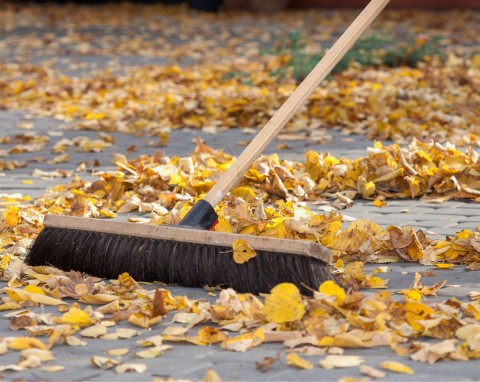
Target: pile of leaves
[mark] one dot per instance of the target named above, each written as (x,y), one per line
(437,101)
(271,201)
(320,326)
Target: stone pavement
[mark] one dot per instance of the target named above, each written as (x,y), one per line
(191,362)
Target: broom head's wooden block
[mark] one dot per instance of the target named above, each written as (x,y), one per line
(189,235)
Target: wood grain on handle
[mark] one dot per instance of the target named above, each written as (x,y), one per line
(294,102)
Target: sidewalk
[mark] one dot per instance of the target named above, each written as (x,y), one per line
(188,361)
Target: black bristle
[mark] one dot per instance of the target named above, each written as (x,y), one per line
(173,262)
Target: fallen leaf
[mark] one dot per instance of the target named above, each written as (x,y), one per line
(17,294)
(371,372)
(284,304)
(22,343)
(265,364)
(330,288)
(104,362)
(245,341)
(339,361)
(293,359)
(94,331)
(131,368)
(52,368)
(152,352)
(242,252)
(211,376)
(117,352)
(397,367)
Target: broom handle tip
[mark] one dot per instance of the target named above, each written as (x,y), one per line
(235,173)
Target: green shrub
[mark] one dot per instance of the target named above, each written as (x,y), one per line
(372,50)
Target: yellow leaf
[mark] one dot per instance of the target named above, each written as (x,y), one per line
(242,252)
(375,282)
(33,289)
(379,203)
(211,376)
(246,193)
(369,190)
(11,215)
(338,264)
(127,281)
(293,359)
(76,316)
(223,226)
(412,294)
(284,304)
(92,115)
(211,335)
(21,295)
(143,321)
(27,181)
(445,265)
(330,288)
(22,343)
(397,367)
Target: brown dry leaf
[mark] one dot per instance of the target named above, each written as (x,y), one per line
(339,361)
(371,372)
(20,322)
(104,362)
(293,359)
(266,363)
(158,307)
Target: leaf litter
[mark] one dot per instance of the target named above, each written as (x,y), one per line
(271,201)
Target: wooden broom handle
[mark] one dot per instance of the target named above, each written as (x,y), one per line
(294,102)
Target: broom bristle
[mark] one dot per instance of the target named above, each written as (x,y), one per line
(173,262)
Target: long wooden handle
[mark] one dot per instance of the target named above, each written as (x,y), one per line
(294,102)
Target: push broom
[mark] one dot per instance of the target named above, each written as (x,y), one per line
(189,254)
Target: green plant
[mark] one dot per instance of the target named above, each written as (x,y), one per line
(372,50)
